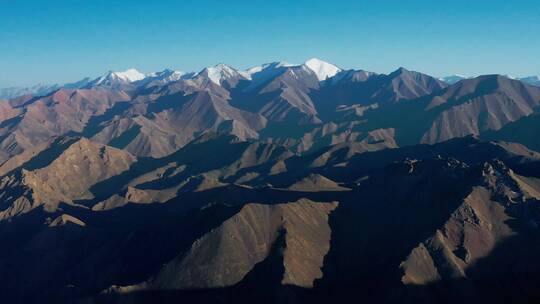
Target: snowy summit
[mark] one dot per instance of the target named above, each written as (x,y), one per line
(130,75)
(111,77)
(321,68)
(220,72)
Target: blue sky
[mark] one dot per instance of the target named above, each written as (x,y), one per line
(59,41)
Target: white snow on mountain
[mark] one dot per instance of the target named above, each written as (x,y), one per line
(268,66)
(127,76)
(262,73)
(166,75)
(321,68)
(221,72)
(161,78)
(130,75)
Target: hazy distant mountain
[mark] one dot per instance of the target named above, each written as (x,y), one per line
(283,183)
(453,78)
(534,80)
(39,89)
(78,84)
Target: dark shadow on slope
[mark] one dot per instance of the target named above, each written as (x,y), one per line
(169,102)
(46,157)
(523,131)
(389,216)
(372,231)
(467,149)
(11,121)
(509,274)
(492,280)
(261,285)
(125,138)
(237,195)
(126,246)
(94,125)
(410,127)
(369,239)
(201,156)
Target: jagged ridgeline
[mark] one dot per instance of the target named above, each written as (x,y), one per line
(279,184)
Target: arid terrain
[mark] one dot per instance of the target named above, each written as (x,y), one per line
(278,184)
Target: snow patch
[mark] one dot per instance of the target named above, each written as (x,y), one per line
(266,66)
(167,75)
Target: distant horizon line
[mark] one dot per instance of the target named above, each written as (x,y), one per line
(147,74)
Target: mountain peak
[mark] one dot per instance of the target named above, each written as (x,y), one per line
(130,75)
(112,77)
(315,60)
(220,72)
(322,69)
(400,70)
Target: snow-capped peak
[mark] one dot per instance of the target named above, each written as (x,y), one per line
(128,76)
(321,68)
(220,72)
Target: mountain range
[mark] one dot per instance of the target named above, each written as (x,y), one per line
(321,68)
(282,183)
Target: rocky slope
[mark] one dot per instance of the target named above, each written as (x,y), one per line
(278,102)
(259,222)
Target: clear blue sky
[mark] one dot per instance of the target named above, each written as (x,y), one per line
(58,41)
